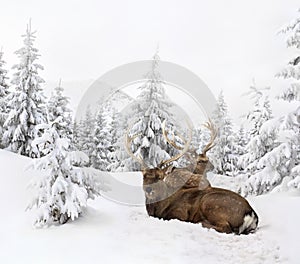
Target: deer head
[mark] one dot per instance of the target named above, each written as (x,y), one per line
(203,163)
(154,185)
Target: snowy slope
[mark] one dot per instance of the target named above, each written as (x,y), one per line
(112,233)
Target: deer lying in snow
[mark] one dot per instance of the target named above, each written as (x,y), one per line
(166,198)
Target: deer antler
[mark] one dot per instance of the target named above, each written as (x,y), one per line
(213,134)
(184,149)
(128,141)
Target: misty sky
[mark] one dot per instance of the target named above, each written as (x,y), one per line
(226,43)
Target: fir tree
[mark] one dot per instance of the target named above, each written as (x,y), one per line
(258,144)
(26,103)
(200,138)
(224,156)
(115,123)
(151,109)
(116,134)
(3,95)
(273,161)
(292,71)
(261,142)
(76,132)
(121,162)
(86,137)
(58,106)
(241,141)
(102,138)
(261,111)
(289,124)
(63,188)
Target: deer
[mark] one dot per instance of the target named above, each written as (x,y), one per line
(217,208)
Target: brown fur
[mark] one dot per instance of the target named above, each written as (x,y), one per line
(203,165)
(183,178)
(215,208)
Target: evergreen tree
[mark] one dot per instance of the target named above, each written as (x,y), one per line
(292,71)
(200,138)
(289,124)
(271,168)
(115,123)
(274,152)
(63,188)
(262,142)
(151,109)
(102,138)
(86,138)
(241,141)
(259,144)
(58,106)
(26,103)
(3,96)
(261,111)
(76,132)
(121,162)
(224,156)
(116,134)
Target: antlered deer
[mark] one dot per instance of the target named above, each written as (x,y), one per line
(217,208)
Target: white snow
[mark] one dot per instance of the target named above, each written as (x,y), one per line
(112,233)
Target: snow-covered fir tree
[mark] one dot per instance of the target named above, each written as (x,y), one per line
(118,157)
(200,138)
(151,109)
(27,102)
(116,134)
(63,186)
(292,71)
(121,161)
(224,153)
(261,111)
(86,137)
(258,145)
(76,132)
(102,138)
(3,95)
(58,105)
(262,141)
(289,125)
(241,140)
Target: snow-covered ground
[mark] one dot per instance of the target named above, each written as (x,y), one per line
(109,232)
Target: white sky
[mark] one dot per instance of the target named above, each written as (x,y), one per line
(226,43)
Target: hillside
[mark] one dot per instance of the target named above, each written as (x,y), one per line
(109,232)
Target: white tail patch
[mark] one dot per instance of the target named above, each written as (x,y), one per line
(249,224)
